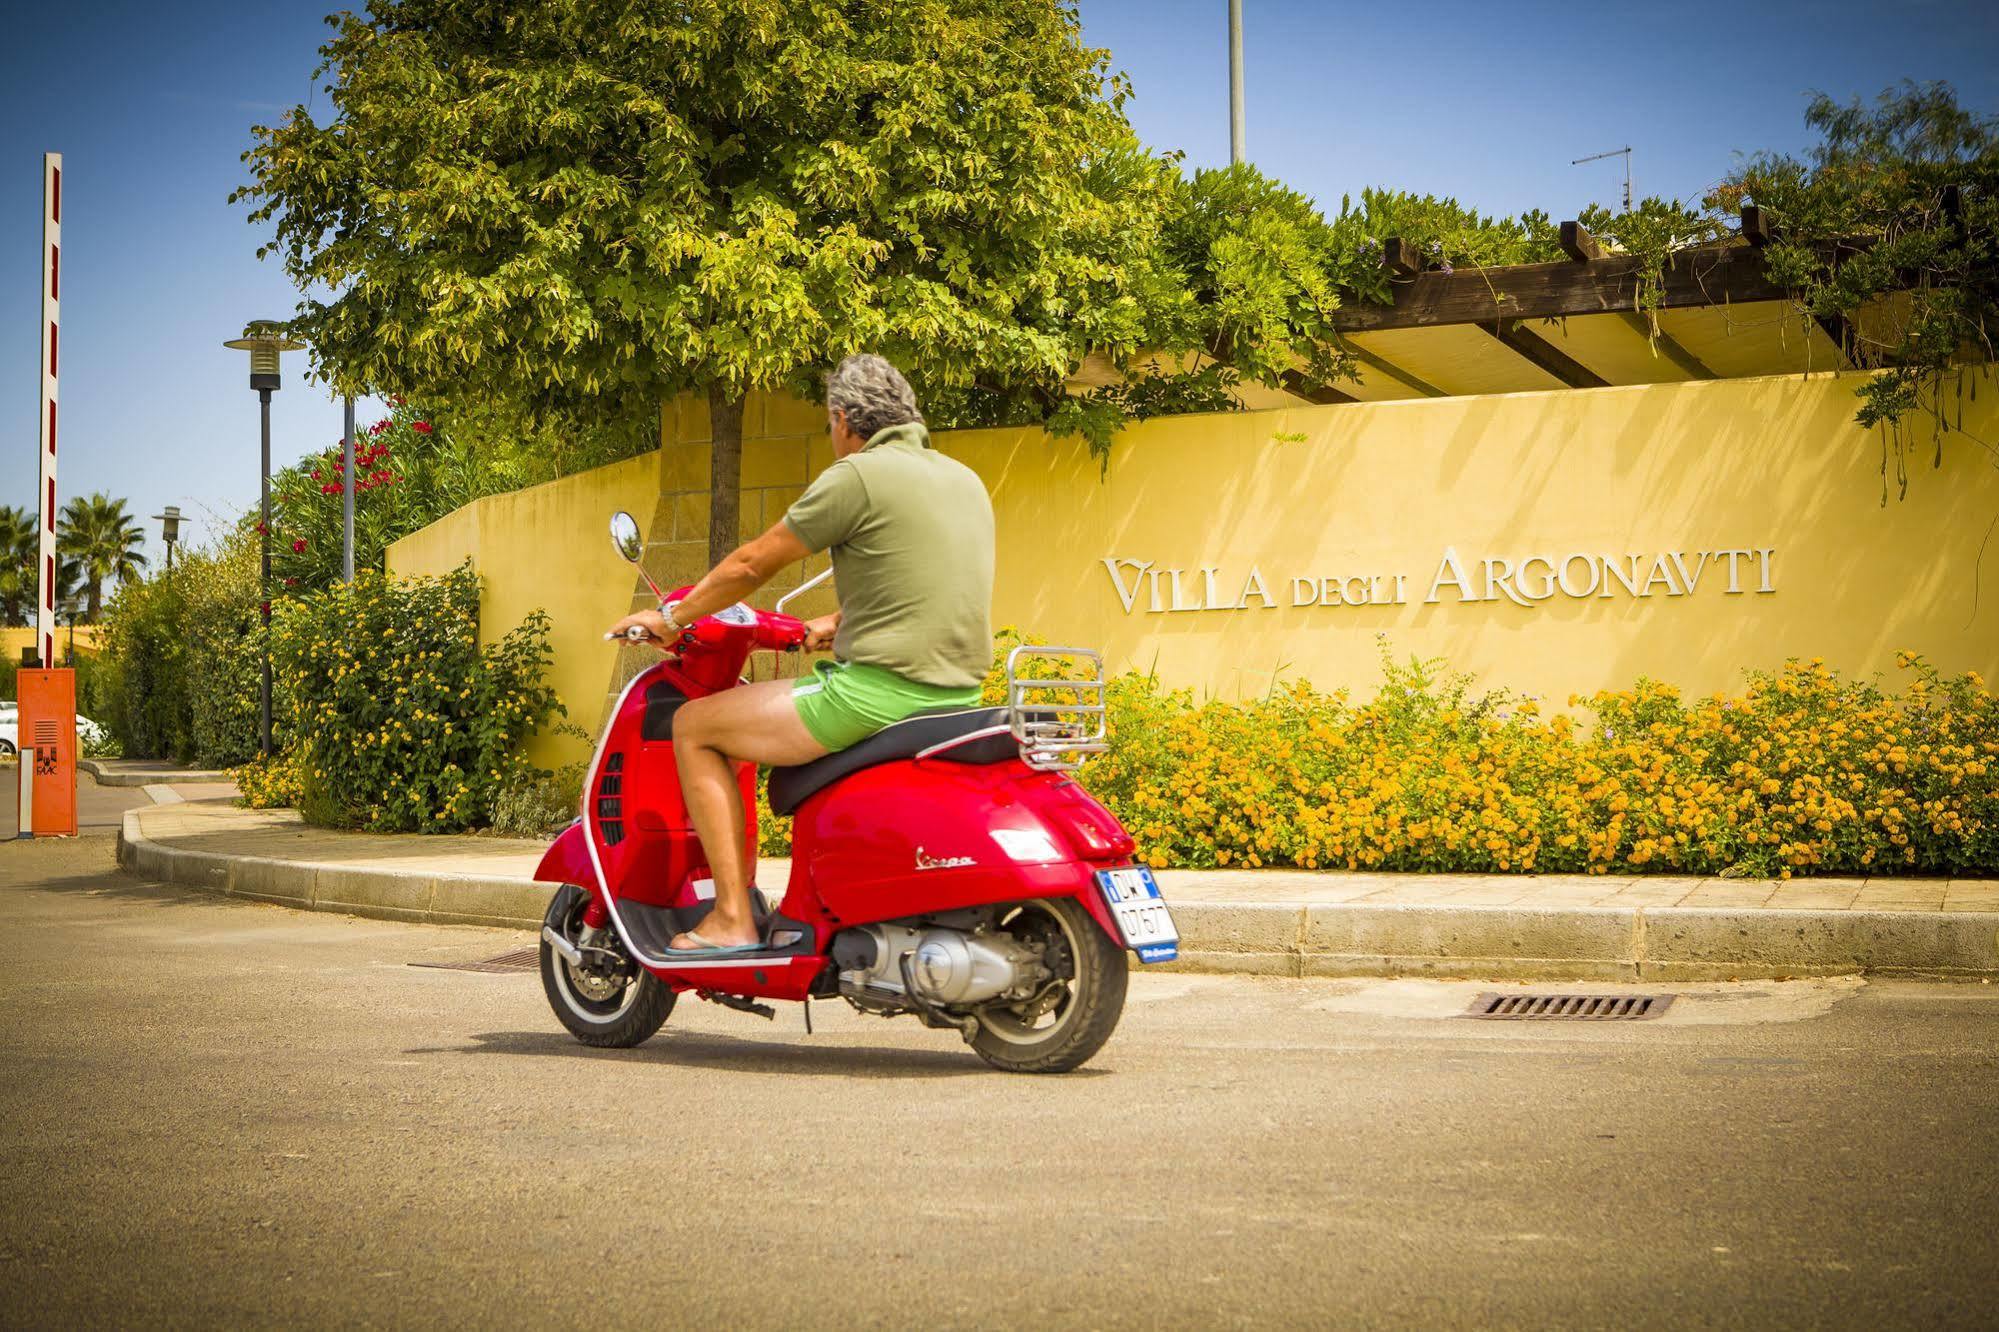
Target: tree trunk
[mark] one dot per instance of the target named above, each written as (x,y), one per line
(725,470)
(94,602)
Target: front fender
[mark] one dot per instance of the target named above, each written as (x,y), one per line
(568,860)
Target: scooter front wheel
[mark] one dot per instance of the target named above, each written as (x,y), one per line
(1070,1021)
(603,1006)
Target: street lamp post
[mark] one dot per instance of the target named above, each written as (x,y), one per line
(1238,137)
(169,520)
(264,339)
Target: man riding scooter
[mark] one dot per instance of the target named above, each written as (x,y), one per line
(911,536)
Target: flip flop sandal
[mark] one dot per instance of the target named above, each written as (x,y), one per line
(708,949)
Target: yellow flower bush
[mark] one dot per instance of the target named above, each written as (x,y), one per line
(269,783)
(1803,771)
(393,716)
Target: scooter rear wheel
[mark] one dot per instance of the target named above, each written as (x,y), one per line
(1083,1017)
(593,1007)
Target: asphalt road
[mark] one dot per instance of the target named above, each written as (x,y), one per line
(216,1112)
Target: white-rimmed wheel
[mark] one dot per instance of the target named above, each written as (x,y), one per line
(1075,1011)
(607,1001)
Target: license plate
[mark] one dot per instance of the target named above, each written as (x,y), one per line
(1133,897)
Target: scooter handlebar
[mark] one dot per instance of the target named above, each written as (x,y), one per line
(771,630)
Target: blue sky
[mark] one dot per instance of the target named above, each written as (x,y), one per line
(151,105)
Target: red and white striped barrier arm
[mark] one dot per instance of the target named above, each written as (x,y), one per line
(45,615)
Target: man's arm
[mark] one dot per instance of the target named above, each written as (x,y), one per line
(740,573)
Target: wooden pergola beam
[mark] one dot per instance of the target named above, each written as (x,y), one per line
(1401,257)
(1709,275)
(1294,384)
(1670,347)
(1526,342)
(1389,370)
(1578,244)
(1757,228)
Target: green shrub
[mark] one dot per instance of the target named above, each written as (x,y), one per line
(179,670)
(398,720)
(538,804)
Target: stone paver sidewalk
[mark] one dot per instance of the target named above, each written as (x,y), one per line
(1279,922)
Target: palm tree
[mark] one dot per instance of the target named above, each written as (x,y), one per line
(19,549)
(100,541)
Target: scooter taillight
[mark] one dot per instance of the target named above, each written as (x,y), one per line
(1090,828)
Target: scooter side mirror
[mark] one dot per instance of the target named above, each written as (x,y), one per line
(625,536)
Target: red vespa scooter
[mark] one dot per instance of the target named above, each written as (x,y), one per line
(947,867)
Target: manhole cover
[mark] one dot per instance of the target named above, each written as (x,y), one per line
(1570,1007)
(521,959)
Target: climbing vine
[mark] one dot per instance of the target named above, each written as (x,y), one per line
(1888,231)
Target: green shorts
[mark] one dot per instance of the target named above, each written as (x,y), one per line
(843,703)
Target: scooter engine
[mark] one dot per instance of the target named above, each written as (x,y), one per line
(949,966)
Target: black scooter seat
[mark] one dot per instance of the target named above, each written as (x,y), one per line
(792,787)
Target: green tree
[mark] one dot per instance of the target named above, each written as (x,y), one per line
(1889,228)
(571,202)
(20,547)
(99,542)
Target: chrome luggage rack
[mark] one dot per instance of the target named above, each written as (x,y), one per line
(1057,720)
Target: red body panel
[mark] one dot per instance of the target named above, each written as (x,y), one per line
(895,840)
(567,860)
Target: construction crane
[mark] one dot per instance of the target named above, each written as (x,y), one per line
(1625,152)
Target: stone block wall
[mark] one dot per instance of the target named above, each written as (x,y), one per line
(784,446)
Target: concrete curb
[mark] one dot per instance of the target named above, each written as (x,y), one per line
(108,777)
(1264,939)
(412,896)
(1582,943)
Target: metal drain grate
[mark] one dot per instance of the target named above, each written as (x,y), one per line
(1570,1007)
(521,959)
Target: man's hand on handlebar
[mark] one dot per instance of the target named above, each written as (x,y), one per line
(654,625)
(819,632)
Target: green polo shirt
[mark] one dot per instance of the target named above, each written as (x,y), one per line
(911,532)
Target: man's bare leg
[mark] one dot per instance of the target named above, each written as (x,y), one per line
(751,723)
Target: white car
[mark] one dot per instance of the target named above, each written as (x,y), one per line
(88,732)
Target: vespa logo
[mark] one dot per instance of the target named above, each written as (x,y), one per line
(925,861)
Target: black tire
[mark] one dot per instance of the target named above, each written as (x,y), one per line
(1085,1019)
(618,1021)
(6,749)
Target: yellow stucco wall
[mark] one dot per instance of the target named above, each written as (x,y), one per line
(547,547)
(1637,475)
(16,637)
(1384,489)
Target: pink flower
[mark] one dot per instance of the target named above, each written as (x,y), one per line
(421,427)
(378,427)
(315,474)
(298,546)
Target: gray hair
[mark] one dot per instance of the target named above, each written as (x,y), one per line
(872,393)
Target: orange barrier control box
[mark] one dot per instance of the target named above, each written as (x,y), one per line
(48,723)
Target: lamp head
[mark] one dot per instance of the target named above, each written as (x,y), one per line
(169,523)
(264,339)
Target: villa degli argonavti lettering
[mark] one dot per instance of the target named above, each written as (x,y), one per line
(1148,587)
